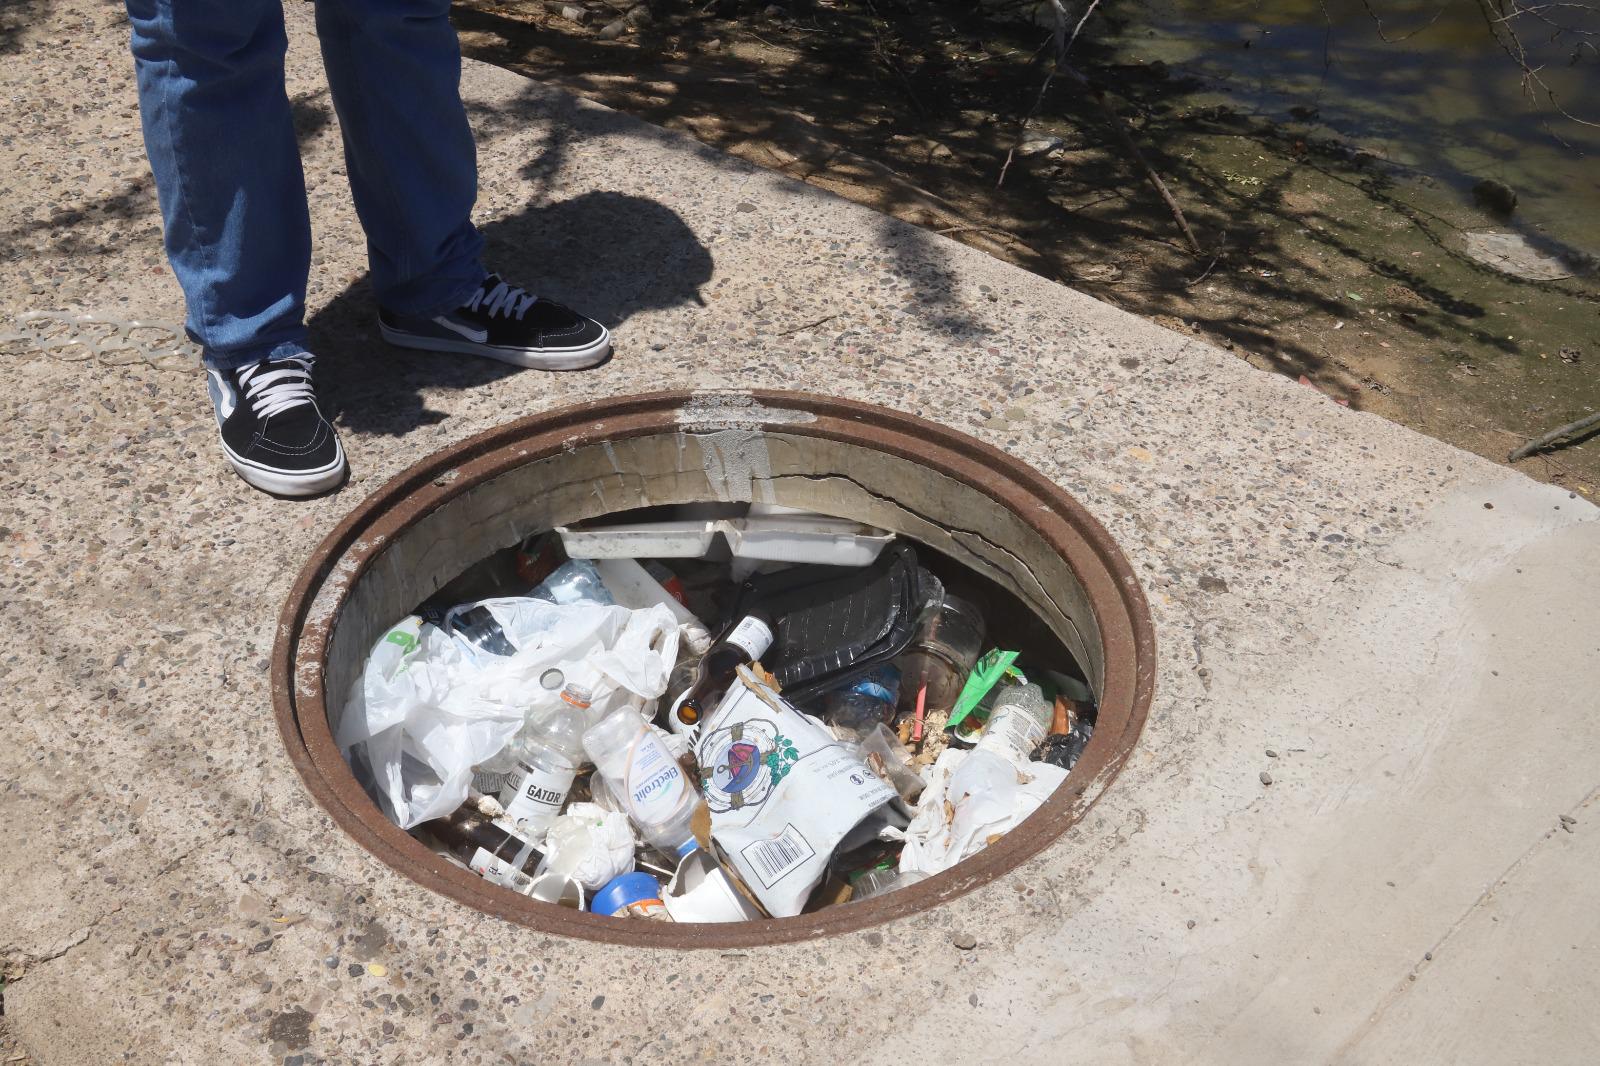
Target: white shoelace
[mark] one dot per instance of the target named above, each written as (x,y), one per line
(503,299)
(277,386)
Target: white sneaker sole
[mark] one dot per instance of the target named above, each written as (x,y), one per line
(280,483)
(541,359)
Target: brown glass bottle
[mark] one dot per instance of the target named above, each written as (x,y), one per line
(485,847)
(744,644)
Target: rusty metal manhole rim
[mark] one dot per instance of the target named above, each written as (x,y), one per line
(1111,587)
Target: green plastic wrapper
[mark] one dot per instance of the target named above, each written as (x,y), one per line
(995,667)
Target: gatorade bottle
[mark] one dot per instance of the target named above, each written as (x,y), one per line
(548,756)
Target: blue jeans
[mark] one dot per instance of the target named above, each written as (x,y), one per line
(221,141)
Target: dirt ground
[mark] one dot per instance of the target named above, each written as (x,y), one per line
(1319,259)
(11,1053)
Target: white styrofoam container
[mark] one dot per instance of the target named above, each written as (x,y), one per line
(797,539)
(779,538)
(646,540)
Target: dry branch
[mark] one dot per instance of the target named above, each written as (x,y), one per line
(1586,422)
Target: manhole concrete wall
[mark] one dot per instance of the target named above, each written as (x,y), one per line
(969,501)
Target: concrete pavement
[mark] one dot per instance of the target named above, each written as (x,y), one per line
(1410,630)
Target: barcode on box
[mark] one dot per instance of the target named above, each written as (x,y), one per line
(772,859)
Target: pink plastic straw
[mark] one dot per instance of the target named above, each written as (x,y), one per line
(922,712)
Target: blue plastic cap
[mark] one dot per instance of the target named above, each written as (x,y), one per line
(623,890)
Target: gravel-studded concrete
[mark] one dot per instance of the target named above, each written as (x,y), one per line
(1410,630)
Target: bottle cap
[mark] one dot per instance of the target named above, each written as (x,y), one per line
(625,889)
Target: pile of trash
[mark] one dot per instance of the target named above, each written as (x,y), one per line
(721,713)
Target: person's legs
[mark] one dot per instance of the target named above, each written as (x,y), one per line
(221,143)
(395,69)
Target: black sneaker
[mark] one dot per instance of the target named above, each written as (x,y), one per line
(509,324)
(271,429)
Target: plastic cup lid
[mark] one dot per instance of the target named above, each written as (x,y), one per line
(623,890)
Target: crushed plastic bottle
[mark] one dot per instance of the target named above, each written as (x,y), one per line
(1019,721)
(473,623)
(865,702)
(576,581)
(881,880)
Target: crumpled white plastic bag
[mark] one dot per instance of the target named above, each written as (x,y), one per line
(428,707)
(987,796)
(589,845)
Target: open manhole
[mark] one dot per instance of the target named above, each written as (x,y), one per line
(984,516)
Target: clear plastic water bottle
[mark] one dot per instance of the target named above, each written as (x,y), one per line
(548,754)
(865,702)
(877,882)
(574,582)
(1020,719)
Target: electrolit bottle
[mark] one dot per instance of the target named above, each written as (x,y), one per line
(657,796)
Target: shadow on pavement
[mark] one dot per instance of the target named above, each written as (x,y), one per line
(572,251)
